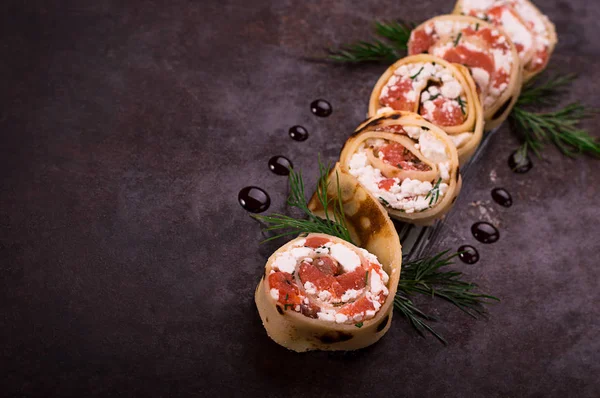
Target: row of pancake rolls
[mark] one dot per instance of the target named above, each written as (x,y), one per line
(427,115)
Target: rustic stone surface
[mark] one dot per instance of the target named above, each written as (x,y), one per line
(128,267)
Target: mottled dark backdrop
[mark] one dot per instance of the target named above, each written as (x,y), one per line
(128,267)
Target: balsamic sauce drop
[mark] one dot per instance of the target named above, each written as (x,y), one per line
(280,165)
(254,199)
(468,254)
(502,197)
(485,232)
(321,108)
(298,133)
(518,163)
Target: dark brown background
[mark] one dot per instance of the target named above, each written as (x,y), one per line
(128,267)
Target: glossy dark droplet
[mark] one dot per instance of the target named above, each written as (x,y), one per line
(485,232)
(298,133)
(519,163)
(254,199)
(502,197)
(321,108)
(468,254)
(280,165)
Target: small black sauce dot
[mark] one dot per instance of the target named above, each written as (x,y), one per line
(502,197)
(280,165)
(468,254)
(321,108)
(485,232)
(254,199)
(298,133)
(518,163)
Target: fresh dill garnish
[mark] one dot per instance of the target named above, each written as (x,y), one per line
(457,39)
(286,297)
(462,105)
(385,202)
(417,74)
(423,276)
(415,316)
(399,166)
(546,93)
(431,98)
(559,127)
(285,306)
(397,35)
(364,52)
(334,222)
(434,192)
(476,26)
(396,32)
(359,325)
(367,277)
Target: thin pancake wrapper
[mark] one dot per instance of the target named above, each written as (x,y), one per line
(407,163)
(305,329)
(485,50)
(443,93)
(531,31)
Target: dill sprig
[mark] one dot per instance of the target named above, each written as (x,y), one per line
(462,105)
(423,276)
(544,93)
(397,35)
(334,222)
(457,39)
(434,193)
(397,32)
(559,127)
(364,52)
(418,73)
(415,316)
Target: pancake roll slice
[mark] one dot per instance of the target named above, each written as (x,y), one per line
(531,31)
(320,292)
(442,93)
(484,49)
(406,163)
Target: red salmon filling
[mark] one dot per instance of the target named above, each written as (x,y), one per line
(522,22)
(403,170)
(395,154)
(428,89)
(332,281)
(484,51)
(397,96)
(539,61)
(445,112)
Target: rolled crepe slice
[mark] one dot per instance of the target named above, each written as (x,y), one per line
(320,292)
(443,93)
(531,31)
(407,163)
(485,49)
